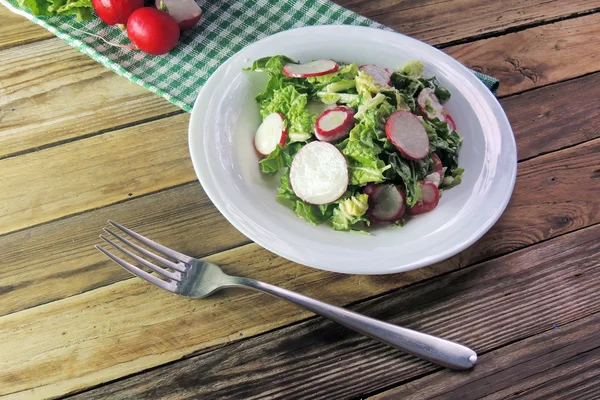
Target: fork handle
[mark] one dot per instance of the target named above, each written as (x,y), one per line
(427,347)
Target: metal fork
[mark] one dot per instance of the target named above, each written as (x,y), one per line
(190,277)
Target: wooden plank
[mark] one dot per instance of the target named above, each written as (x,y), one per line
(535,57)
(485,307)
(437,22)
(119,329)
(93,172)
(116,317)
(183,218)
(440,22)
(176,218)
(16,30)
(94,99)
(50,93)
(554,117)
(54,165)
(560,363)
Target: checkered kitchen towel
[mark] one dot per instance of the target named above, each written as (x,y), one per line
(225,28)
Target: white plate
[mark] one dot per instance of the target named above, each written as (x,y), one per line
(225,118)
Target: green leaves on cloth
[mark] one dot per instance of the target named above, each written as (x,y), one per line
(81,8)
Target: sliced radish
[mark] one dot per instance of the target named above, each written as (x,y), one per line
(430,106)
(408,134)
(437,173)
(319,173)
(434,178)
(386,204)
(334,124)
(381,75)
(450,121)
(430,197)
(437,164)
(186,13)
(270,134)
(372,189)
(315,68)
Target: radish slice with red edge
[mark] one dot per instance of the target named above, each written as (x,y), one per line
(372,189)
(430,106)
(381,75)
(437,164)
(334,124)
(450,121)
(270,134)
(186,13)
(408,134)
(387,203)
(319,173)
(430,197)
(437,173)
(315,68)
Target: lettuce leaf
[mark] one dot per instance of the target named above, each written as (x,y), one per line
(364,145)
(81,8)
(440,91)
(444,141)
(414,69)
(351,100)
(273,65)
(350,212)
(411,174)
(279,158)
(316,215)
(292,105)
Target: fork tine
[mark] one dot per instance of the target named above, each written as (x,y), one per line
(152,244)
(155,268)
(147,253)
(141,273)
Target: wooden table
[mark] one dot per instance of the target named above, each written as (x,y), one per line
(80,145)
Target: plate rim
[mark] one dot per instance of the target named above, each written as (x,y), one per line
(203,175)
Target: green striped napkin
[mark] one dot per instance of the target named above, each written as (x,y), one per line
(226,27)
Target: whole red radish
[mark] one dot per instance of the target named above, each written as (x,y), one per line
(114,12)
(186,13)
(152,31)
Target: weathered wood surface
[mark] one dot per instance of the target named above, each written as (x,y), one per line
(58,74)
(486,307)
(436,22)
(69,319)
(535,57)
(116,316)
(560,363)
(16,30)
(183,217)
(440,22)
(94,172)
(51,93)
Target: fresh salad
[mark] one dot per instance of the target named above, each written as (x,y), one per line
(356,146)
